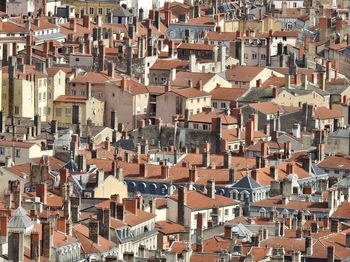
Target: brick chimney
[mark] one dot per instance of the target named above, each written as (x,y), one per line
(182,201)
(73,24)
(211,189)
(227,159)
(199,232)
(120,212)
(274,173)
(130,204)
(144,170)
(41,191)
(193,174)
(61,224)
(165,171)
(46,239)
(228,231)
(34,245)
(3,228)
(249,132)
(290,168)
(86,22)
(330,254)
(94,231)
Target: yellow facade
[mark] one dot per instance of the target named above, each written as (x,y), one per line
(93,8)
(111,186)
(89,109)
(287,99)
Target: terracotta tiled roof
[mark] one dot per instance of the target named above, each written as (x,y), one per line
(197,200)
(178,247)
(243,73)
(208,257)
(8,143)
(220,36)
(168,227)
(93,78)
(81,232)
(206,117)
(71,99)
(130,218)
(325,113)
(11,28)
(196,46)
(272,108)
(285,33)
(335,162)
(190,92)
(292,204)
(200,21)
(182,78)
(271,144)
(343,211)
(227,94)
(162,64)
(263,174)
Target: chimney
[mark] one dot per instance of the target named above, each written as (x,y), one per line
(308,246)
(322,81)
(206,156)
(73,25)
(249,132)
(29,42)
(199,232)
(347,240)
(165,171)
(34,245)
(120,213)
(334,226)
(111,69)
(41,191)
(227,159)
(46,239)
(61,224)
(88,90)
(37,124)
(320,152)
(274,173)
(100,177)
(182,201)
(144,170)
(86,22)
(211,189)
(107,144)
(330,254)
(287,149)
(130,204)
(3,229)
(168,17)
(81,163)
(232,175)
(228,231)
(290,168)
(101,55)
(94,231)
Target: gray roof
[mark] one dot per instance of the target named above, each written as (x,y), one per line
(121,12)
(336,89)
(241,230)
(256,94)
(247,182)
(20,219)
(340,133)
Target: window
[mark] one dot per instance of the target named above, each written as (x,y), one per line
(191,101)
(205,127)
(82,93)
(18,152)
(145,109)
(254,56)
(245,56)
(39,96)
(91,10)
(294,4)
(195,126)
(48,110)
(198,99)
(223,105)
(215,104)
(198,110)
(263,57)
(2,151)
(44,96)
(284,38)
(16,110)
(226,212)
(58,111)
(99,10)
(108,10)
(77,59)
(138,109)
(68,111)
